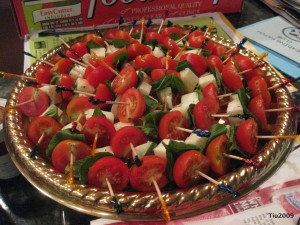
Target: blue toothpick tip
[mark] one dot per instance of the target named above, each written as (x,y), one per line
(229,189)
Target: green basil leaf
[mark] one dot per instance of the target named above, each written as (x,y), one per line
(152,42)
(163,48)
(215,131)
(151,104)
(220,84)
(52,112)
(138,36)
(233,147)
(175,36)
(199,93)
(92,44)
(184,64)
(150,126)
(191,115)
(177,147)
(60,136)
(120,43)
(54,78)
(169,166)
(205,53)
(165,81)
(120,59)
(98,112)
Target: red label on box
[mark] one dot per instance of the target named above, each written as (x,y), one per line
(35,15)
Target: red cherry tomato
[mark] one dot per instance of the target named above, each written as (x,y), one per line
(202,114)
(211,91)
(148,61)
(99,75)
(93,37)
(257,107)
(258,85)
(196,33)
(169,122)
(110,58)
(120,34)
(110,168)
(196,41)
(78,105)
(215,62)
(198,62)
(128,78)
(154,35)
(134,109)
(89,69)
(68,82)
(43,74)
(39,104)
(215,153)
(172,63)
(172,46)
(110,34)
(103,93)
(120,141)
(186,165)
(62,152)
(138,49)
(42,125)
(62,66)
(152,167)
(167,31)
(158,73)
(231,78)
(79,48)
(101,126)
(244,63)
(219,50)
(246,136)
(138,28)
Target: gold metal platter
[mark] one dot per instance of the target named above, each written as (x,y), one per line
(146,206)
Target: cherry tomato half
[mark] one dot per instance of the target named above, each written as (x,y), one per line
(186,165)
(78,105)
(43,74)
(62,153)
(39,104)
(214,152)
(198,62)
(244,63)
(42,125)
(110,168)
(258,85)
(169,122)
(138,49)
(93,37)
(158,73)
(257,107)
(120,141)
(62,66)
(231,77)
(152,167)
(148,61)
(66,81)
(103,93)
(134,108)
(101,126)
(246,136)
(215,62)
(128,78)
(202,114)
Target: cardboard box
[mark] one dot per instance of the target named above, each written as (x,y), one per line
(70,15)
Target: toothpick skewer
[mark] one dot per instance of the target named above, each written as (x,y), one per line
(95,144)
(142,29)
(74,60)
(110,68)
(162,22)
(132,26)
(181,51)
(198,132)
(5,74)
(116,203)
(35,148)
(221,185)
(252,162)
(136,159)
(16,106)
(43,61)
(71,172)
(162,201)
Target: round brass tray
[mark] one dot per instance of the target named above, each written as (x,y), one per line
(146,206)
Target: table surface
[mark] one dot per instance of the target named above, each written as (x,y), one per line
(26,205)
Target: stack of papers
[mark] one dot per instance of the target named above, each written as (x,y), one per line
(280,39)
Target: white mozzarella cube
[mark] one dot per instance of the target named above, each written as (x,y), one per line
(89,113)
(144,88)
(109,116)
(110,49)
(50,90)
(77,71)
(189,79)
(84,86)
(104,149)
(142,149)
(99,52)
(181,108)
(52,107)
(206,79)
(234,97)
(86,57)
(190,98)
(193,51)
(120,124)
(157,52)
(114,107)
(160,149)
(194,139)
(165,97)
(235,107)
